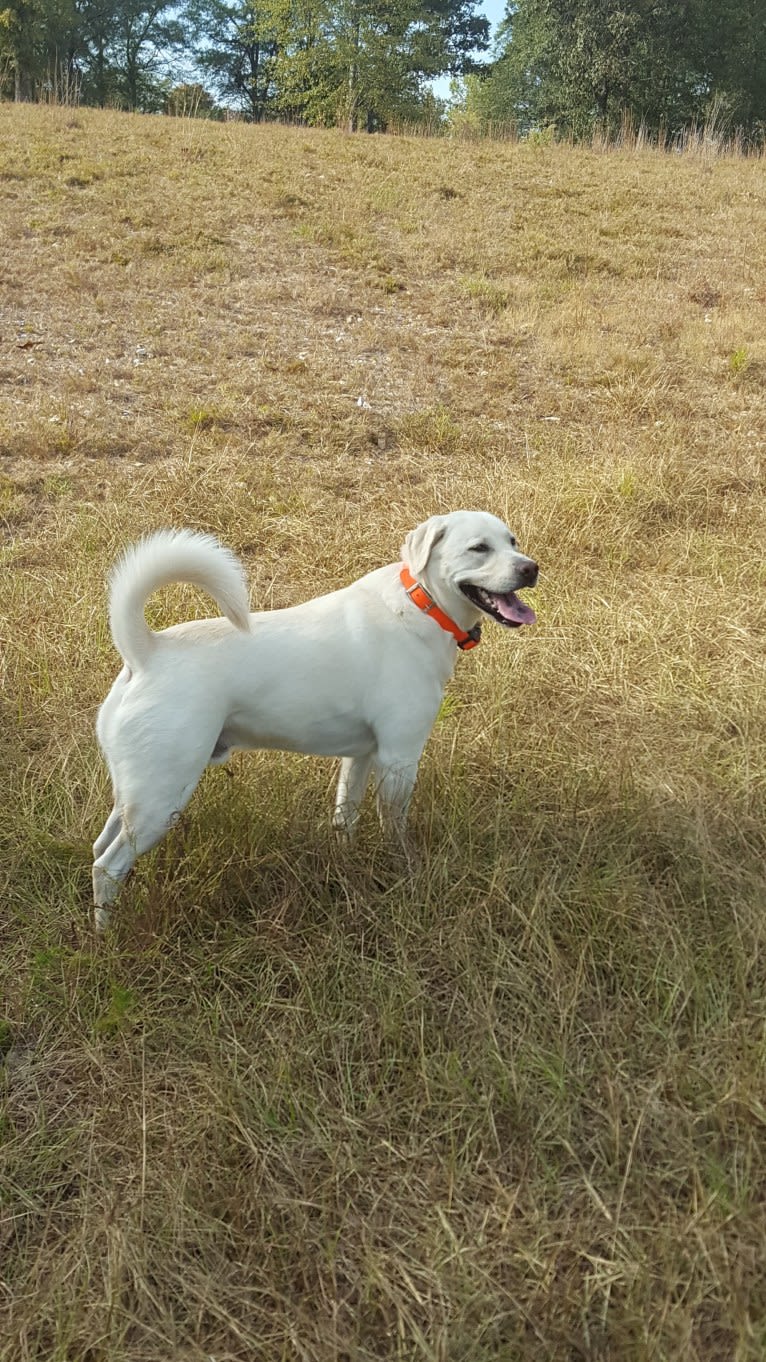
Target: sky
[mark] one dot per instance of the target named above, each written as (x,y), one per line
(494,10)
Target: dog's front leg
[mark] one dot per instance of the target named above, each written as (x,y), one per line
(354,775)
(395,782)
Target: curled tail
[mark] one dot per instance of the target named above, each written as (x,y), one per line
(171,556)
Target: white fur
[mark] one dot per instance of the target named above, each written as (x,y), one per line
(358,674)
(171,556)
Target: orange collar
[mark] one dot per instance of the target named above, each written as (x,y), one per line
(420,597)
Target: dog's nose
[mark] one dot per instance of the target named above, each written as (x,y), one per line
(528,573)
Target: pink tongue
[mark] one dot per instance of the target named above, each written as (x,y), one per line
(511,608)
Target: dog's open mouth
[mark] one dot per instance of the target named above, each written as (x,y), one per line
(507,609)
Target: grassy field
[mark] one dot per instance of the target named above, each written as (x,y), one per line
(300,1106)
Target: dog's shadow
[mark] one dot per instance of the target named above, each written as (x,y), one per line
(277,872)
(229,865)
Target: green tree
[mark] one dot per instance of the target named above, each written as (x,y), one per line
(238,42)
(384,55)
(101,51)
(98,45)
(734,60)
(336,62)
(189,100)
(581,63)
(38,49)
(144,38)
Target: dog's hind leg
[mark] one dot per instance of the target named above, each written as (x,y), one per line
(354,775)
(141,826)
(110,870)
(110,830)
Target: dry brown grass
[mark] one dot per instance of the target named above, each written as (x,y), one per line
(300,1107)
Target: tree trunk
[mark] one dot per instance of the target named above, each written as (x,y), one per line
(353,79)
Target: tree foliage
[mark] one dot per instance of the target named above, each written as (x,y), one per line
(340,62)
(573,64)
(321,61)
(238,42)
(37,38)
(98,51)
(660,63)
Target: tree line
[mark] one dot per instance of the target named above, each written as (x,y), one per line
(564,65)
(663,65)
(314,61)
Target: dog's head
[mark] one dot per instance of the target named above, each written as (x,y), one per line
(470,563)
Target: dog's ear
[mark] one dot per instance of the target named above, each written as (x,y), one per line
(420,543)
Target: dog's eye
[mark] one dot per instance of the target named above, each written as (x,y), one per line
(480,548)
(514,541)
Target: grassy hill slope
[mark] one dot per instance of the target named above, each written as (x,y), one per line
(302,1105)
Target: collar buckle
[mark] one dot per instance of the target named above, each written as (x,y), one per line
(471,640)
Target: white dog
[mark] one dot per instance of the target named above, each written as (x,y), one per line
(358,674)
